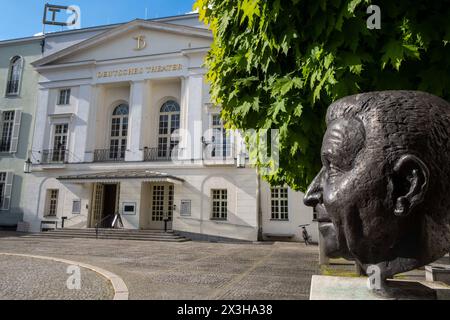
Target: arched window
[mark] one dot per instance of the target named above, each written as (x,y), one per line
(169,122)
(15,75)
(119,133)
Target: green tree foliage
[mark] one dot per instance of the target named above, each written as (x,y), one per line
(280,63)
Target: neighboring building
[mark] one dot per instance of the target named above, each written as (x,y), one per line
(18,88)
(109,100)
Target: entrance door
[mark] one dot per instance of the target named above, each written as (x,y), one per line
(105,204)
(97,204)
(161,206)
(109,205)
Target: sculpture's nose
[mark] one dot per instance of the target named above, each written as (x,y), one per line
(314,194)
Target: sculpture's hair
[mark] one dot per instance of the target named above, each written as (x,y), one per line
(400,122)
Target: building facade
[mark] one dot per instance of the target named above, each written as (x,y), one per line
(18,87)
(124,124)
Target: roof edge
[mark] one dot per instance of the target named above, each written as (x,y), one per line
(21,40)
(94,28)
(119,29)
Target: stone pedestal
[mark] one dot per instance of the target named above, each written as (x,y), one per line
(343,288)
(438,272)
(323,259)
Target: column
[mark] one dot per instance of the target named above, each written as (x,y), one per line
(193,114)
(81,126)
(92,130)
(137,100)
(183,118)
(41,128)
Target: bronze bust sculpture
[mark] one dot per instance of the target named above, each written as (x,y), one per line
(385,181)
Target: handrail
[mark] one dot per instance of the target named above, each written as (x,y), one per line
(117,218)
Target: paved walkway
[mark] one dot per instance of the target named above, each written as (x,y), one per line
(191,270)
(24,278)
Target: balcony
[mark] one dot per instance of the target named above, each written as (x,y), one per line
(109,155)
(58,156)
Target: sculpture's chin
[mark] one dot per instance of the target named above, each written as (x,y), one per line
(388,269)
(331,244)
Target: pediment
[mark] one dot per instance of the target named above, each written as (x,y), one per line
(134,39)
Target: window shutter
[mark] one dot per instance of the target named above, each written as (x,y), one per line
(15,131)
(1,124)
(8,190)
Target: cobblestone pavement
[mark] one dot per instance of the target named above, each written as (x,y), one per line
(24,278)
(191,270)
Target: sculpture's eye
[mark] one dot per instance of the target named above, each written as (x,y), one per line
(333,171)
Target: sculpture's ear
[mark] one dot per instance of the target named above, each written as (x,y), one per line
(410,183)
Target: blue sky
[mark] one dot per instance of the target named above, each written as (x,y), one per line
(23,18)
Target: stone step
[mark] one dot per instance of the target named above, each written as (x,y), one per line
(103,237)
(116,230)
(162,235)
(115,234)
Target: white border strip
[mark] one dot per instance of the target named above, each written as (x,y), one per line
(119,286)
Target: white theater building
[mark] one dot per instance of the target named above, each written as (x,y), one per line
(124,124)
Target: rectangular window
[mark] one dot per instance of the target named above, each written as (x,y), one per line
(7,122)
(219,204)
(52,203)
(64,97)
(2,188)
(280,204)
(76,207)
(59,152)
(221,147)
(6,182)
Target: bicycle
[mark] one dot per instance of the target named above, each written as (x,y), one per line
(306,237)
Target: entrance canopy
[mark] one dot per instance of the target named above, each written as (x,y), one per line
(118,176)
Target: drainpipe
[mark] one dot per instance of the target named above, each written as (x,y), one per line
(258,207)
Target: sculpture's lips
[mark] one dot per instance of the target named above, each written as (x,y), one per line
(322,214)
(334,248)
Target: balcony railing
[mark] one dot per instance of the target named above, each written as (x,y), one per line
(216,153)
(109,155)
(58,156)
(157,154)
(12,88)
(219,152)
(222,152)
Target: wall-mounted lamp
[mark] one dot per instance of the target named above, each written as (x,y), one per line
(27,166)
